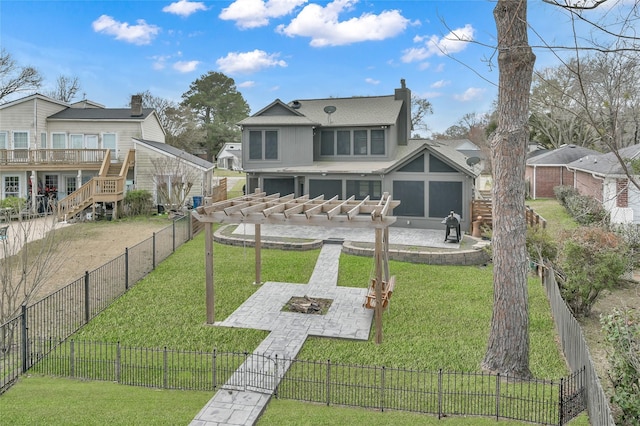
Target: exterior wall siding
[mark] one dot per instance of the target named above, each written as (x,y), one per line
(586,184)
(293,150)
(152,130)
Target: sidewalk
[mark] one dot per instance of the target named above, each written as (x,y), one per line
(21,232)
(244,397)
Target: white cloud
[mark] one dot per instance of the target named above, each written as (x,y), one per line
(141,33)
(256,13)
(440,84)
(471,94)
(456,41)
(371,81)
(323,26)
(185,66)
(248,83)
(249,62)
(184,7)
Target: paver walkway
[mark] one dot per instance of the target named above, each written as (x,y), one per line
(243,398)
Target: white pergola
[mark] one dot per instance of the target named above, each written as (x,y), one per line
(259,208)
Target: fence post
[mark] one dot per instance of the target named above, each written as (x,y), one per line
(126,268)
(276,383)
(165,367)
(153,249)
(173,232)
(497,396)
(86,297)
(328,382)
(440,394)
(118,363)
(190,226)
(214,374)
(382,389)
(25,338)
(72,365)
(561,403)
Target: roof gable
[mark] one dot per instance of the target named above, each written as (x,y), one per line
(33,97)
(178,153)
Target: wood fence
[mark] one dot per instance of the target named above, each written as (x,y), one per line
(484,208)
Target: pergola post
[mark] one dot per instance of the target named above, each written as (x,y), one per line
(258,251)
(378,267)
(209,293)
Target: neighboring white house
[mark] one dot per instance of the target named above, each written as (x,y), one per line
(230,156)
(358,146)
(603,177)
(81,154)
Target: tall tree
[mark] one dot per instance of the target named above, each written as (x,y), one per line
(508,346)
(15,79)
(219,106)
(420,108)
(66,88)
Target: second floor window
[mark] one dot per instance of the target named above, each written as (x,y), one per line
(58,140)
(263,145)
(352,142)
(4,140)
(20,140)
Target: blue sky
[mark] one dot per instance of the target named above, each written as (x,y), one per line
(286,49)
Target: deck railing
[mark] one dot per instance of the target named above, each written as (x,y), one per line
(51,156)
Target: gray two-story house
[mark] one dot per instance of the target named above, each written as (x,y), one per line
(358,146)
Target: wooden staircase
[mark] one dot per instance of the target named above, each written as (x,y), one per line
(107,187)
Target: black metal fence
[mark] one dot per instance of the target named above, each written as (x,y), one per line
(27,338)
(441,393)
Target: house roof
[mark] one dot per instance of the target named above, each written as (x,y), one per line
(172,150)
(404,154)
(355,111)
(561,156)
(33,96)
(108,114)
(606,164)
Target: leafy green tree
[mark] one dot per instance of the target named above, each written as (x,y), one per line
(218,106)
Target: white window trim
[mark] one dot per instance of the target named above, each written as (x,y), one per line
(114,151)
(71,136)
(13,138)
(2,182)
(65,139)
(7,141)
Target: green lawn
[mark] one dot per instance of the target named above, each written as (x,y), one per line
(556,216)
(438,318)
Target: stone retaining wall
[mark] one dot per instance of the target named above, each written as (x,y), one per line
(474,256)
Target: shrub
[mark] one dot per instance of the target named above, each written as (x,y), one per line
(562,192)
(591,260)
(138,202)
(586,210)
(622,332)
(14,203)
(541,245)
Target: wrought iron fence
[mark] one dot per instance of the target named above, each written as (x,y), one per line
(441,393)
(27,338)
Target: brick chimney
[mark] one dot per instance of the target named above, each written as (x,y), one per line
(404,121)
(136,106)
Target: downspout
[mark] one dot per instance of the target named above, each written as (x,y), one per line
(535,176)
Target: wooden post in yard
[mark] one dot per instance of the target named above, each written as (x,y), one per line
(258,250)
(378,307)
(209,293)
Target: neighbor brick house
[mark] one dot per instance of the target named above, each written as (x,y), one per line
(546,171)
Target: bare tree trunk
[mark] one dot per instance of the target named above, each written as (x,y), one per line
(508,347)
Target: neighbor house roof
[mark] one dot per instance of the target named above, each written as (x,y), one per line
(561,156)
(109,114)
(606,164)
(355,111)
(30,97)
(172,150)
